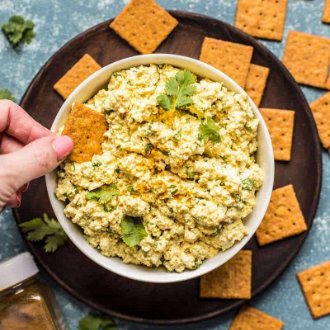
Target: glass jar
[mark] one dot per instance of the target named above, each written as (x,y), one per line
(25,302)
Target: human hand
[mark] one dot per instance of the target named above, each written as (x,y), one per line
(27,151)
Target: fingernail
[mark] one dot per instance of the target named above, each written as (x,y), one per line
(25,187)
(62,146)
(19,199)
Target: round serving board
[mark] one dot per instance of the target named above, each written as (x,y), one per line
(178,302)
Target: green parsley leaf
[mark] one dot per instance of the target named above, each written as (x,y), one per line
(190,173)
(103,194)
(18,30)
(6,94)
(96,322)
(209,130)
(133,230)
(247,184)
(178,91)
(108,112)
(37,229)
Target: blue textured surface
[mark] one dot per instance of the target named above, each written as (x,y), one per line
(57,21)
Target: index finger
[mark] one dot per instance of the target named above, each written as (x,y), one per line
(17,123)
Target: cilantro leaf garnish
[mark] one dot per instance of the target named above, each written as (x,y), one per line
(173,189)
(37,229)
(147,148)
(18,30)
(178,91)
(131,190)
(96,164)
(177,136)
(96,322)
(6,94)
(103,194)
(209,130)
(165,101)
(247,184)
(190,173)
(133,230)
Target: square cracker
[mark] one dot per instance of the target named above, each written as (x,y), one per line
(232,280)
(321,112)
(327,85)
(249,318)
(283,217)
(85,67)
(256,82)
(261,18)
(315,283)
(86,127)
(326,12)
(307,58)
(231,58)
(144,25)
(280,124)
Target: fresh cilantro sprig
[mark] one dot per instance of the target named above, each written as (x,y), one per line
(37,229)
(103,194)
(97,322)
(178,91)
(209,130)
(6,94)
(17,30)
(133,230)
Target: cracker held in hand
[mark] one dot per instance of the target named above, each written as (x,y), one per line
(307,58)
(280,124)
(231,58)
(144,25)
(315,283)
(85,67)
(283,217)
(261,18)
(86,127)
(327,85)
(326,12)
(256,82)
(321,112)
(231,280)
(249,318)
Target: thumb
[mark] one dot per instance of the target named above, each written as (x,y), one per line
(34,160)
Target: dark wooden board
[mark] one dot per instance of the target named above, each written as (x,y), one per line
(178,302)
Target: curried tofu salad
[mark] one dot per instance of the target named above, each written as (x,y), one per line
(176,173)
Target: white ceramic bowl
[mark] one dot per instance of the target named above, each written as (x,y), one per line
(265,159)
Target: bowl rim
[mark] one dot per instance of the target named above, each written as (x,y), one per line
(152,275)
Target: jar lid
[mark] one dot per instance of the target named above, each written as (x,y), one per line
(16,270)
